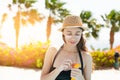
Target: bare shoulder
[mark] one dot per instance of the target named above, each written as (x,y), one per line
(87,55)
(49,55)
(48,59)
(87,59)
(51,50)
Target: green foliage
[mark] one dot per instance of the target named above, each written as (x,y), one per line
(57,9)
(14,1)
(29,56)
(104,59)
(85,15)
(23,1)
(112,20)
(91,23)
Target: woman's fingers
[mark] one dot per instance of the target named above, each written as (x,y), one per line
(67,64)
(75,72)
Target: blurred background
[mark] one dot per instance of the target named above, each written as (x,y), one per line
(29,27)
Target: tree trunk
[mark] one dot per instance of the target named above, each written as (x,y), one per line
(17,27)
(17,38)
(48,29)
(111,38)
(17,30)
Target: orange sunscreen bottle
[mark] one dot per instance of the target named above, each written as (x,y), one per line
(76,65)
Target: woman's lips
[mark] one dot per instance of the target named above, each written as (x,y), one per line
(72,42)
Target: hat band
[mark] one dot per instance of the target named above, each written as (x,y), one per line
(61,29)
(72,26)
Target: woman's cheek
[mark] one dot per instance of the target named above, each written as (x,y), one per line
(68,37)
(75,38)
(78,38)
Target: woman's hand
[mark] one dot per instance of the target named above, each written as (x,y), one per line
(76,74)
(66,65)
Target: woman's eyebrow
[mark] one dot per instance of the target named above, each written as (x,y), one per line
(68,31)
(78,32)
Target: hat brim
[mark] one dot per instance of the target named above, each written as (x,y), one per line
(61,29)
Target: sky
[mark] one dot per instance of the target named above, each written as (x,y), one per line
(97,7)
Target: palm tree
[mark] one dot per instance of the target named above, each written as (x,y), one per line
(113,22)
(24,16)
(56,14)
(91,23)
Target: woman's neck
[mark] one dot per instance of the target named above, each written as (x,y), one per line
(71,49)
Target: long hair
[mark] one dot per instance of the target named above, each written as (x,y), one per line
(81,44)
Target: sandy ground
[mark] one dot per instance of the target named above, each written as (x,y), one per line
(13,73)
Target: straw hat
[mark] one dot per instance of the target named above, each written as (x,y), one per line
(72,21)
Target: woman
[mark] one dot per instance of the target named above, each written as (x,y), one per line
(58,64)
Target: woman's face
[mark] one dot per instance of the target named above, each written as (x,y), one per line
(72,35)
